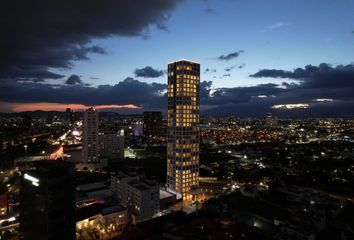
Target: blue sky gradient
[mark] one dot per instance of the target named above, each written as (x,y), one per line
(280,34)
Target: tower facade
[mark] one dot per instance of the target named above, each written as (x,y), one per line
(183,128)
(90,146)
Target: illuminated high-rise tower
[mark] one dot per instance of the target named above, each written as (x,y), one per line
(183,128)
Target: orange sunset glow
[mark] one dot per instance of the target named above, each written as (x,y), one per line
(22,107)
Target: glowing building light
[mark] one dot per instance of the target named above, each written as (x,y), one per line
(324,100)
(75,133)
(35,181)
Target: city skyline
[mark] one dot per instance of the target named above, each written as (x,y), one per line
(288,58)
(221,177)
(177,119)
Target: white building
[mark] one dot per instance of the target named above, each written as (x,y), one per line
(90,144)
(90,137)
(118,184)
(142,198)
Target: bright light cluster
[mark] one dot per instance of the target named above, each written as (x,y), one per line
(291,106)
(324,100)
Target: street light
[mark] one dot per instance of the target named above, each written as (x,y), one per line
(43,153)
(25,146)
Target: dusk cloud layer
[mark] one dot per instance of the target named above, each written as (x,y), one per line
(225,101)
(322,76)
(128,91)
(311,84)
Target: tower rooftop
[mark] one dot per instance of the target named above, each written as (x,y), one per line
(181,60)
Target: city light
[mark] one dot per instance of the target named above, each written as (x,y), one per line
(75,133)
(324,100)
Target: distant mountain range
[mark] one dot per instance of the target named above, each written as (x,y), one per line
(217,112)
(40,113)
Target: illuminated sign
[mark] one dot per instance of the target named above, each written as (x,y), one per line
(35,181)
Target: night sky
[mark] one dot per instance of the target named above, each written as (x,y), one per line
(287,57)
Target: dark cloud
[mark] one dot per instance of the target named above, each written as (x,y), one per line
(258,100)
(128,91)
(28,73)
(272,73)
(38,37)
(228,69)
(148,72)
(225,96)
(210,70)
(335,83)
(257,108)
(162,26)
(290,85)
(96,49)
(73,80)
(210,11)
(240,101)
(205,88)
(321,76)
(241,66)
(230,56)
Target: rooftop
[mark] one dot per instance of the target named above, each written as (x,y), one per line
(181,60)
(165,194)
(112,209)
(91,186)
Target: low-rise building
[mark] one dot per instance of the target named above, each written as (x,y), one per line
(103,222)
(141,197)
(118,184)
(290,231)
